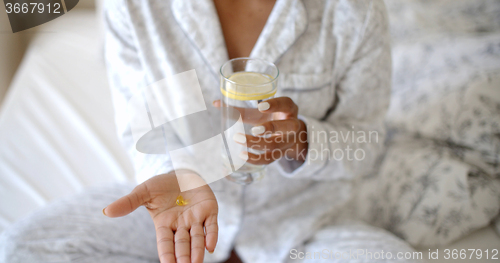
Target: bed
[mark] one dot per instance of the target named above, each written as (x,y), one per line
(57,132)
(56,123)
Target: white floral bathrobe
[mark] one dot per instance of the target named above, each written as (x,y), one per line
(334,61)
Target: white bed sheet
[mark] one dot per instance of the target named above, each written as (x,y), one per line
(57,132)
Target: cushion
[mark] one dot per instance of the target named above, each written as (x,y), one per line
(427,195)
(440,178)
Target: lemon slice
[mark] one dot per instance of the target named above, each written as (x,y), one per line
(249,86)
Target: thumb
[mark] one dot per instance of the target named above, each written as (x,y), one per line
(127,204)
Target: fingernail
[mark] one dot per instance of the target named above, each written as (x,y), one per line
(243,155)
(210,252)
(240,138)
(257,130)
(104,213)
(263,106)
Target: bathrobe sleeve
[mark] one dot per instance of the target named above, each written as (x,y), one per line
(128,81)
(347,141)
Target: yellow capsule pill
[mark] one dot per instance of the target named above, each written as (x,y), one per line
(180,201)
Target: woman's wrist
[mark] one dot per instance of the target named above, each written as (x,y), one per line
(299,151)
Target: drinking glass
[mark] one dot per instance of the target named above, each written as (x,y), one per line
(245,82)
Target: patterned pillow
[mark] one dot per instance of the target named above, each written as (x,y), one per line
(467,119)
(415,19)
(424,193)
(446,60)
(443,180)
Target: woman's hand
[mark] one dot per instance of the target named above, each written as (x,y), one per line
(284,136)
(182,232)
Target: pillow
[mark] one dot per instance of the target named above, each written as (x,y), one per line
(415,19)
(445,77)
(425,194)
(462,112)
(443,180)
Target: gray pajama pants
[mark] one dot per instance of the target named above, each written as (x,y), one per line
(75,230)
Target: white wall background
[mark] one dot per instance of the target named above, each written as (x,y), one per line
(13,46)
(11,50)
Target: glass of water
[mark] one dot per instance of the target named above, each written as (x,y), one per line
(245,82)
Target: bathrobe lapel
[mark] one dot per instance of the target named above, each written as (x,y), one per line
(286,23)
(199,20)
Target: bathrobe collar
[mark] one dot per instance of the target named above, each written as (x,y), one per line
(199,20)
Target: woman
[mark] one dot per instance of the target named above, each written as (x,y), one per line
(335,72)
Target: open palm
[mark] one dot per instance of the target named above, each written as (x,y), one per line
(182,231)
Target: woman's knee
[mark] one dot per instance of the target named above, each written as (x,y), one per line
(19,243)
(69,228)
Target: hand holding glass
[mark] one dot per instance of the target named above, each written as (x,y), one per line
(245,82)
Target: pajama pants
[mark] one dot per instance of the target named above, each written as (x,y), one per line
(75,230)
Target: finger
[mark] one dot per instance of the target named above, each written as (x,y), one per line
(265,158)
(182,245)
(281,104)
(248,115)
(127,204)
(286,127)
(263,143)
(165,244)
(217,103)
(197,243)
(211,232)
